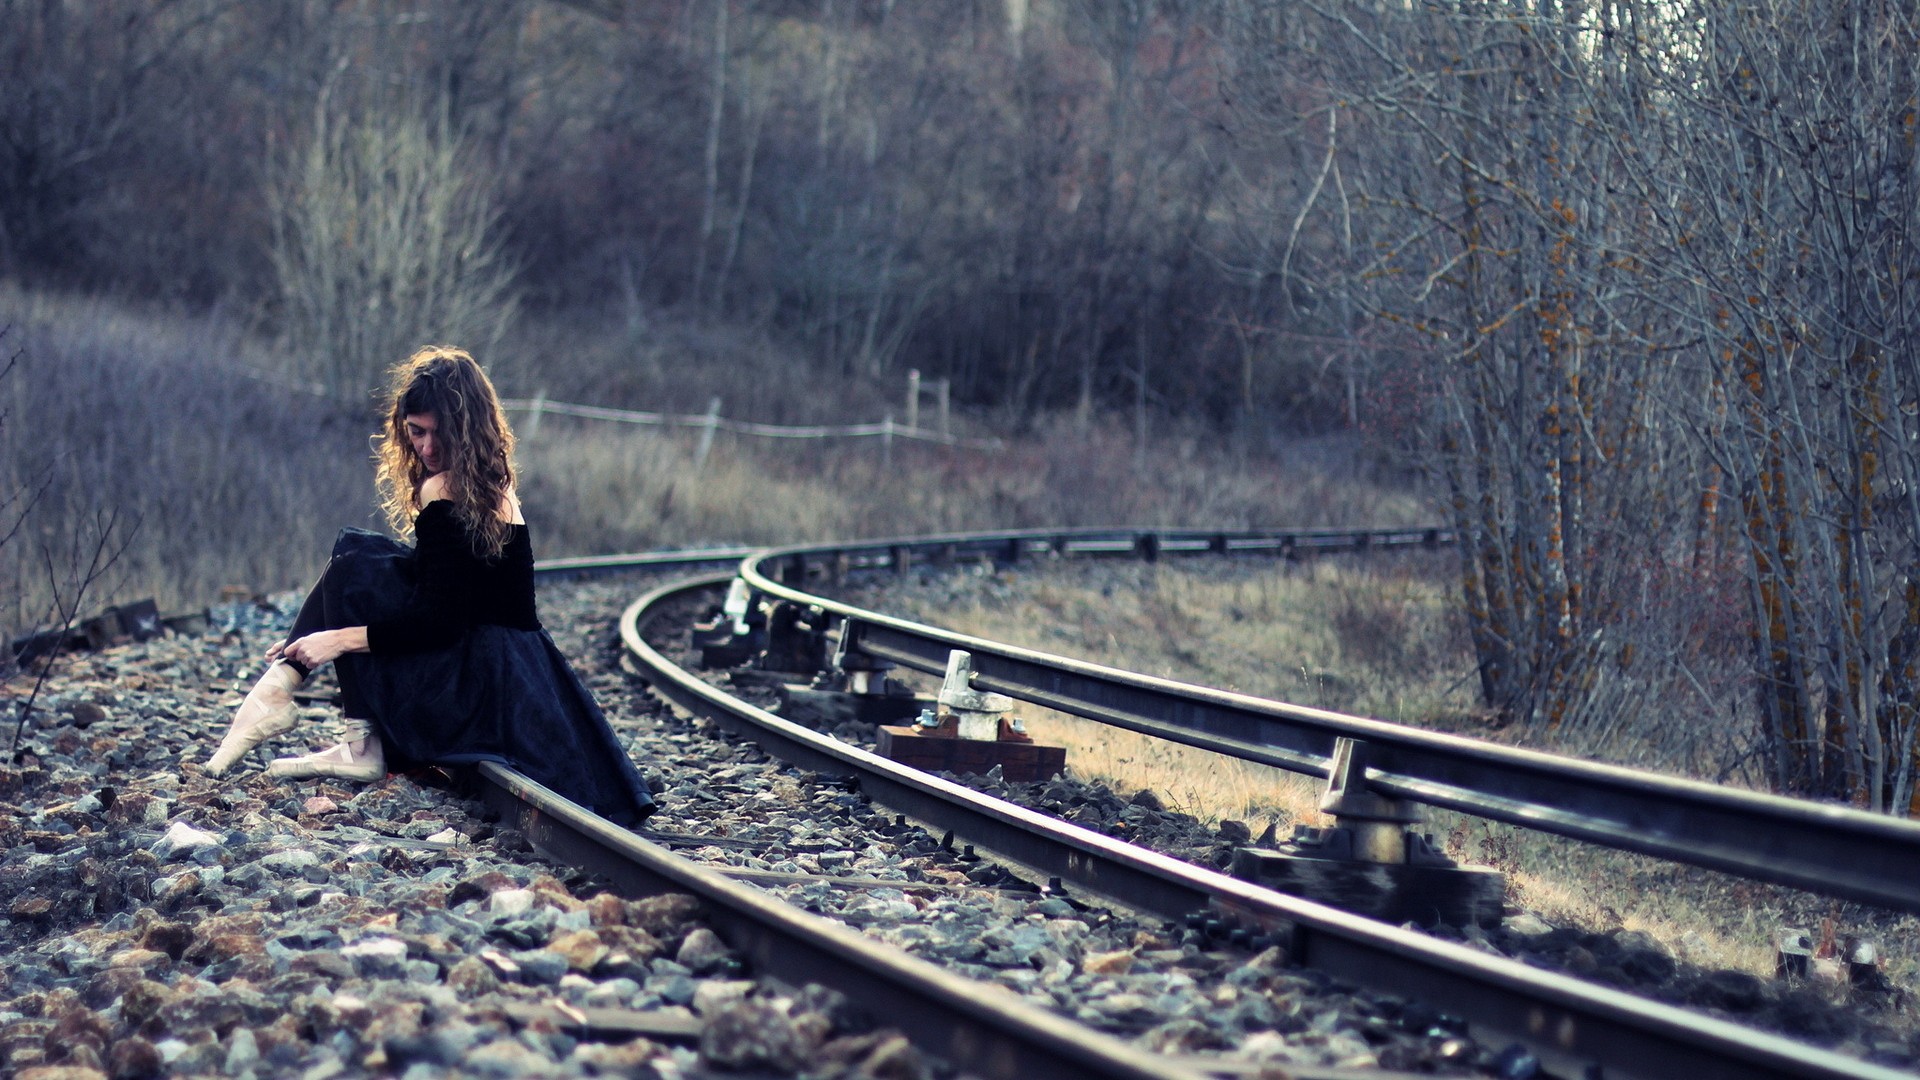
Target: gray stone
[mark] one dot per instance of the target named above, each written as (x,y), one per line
(540,967)
(613,993)
(289,863)
(505,1058)
(510,902)
(715,994)
(753,1034)
(378,958)
(243,1052)
(702,951)
(182,840)
(674,989)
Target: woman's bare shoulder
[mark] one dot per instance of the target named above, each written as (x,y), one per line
(510,509)
(433,489)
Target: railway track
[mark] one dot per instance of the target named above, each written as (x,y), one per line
(1574,1026)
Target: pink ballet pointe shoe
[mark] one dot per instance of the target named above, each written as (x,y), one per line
(259,717)
(340,761)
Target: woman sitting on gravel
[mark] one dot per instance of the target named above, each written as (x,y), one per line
(439,652)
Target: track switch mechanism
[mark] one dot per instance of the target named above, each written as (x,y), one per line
(733,634)
(1370,861)
(970,731)
(856,689)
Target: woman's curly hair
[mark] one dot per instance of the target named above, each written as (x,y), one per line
(475,443)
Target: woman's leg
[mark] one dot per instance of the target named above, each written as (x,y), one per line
(269,707)
(268,710)
(357,756)
(313,616)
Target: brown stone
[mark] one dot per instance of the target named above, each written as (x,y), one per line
(78,1022)
(480,886)
(633,941)
(284,1031)
(223,937)
(138,808)
(397,1020)
(143,1001)
(139,959)
(752,1035)
(621,1059)
(556,893)
(582,948)
(61,1072)
(184,1016)
(164,935)
(663,916)
(606,909)
(326,962)
(894,1058)
(472,978)
(89,1055)
(338,1012)
(132,1058)
(1108,963)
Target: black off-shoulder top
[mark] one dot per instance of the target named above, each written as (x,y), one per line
(454,589)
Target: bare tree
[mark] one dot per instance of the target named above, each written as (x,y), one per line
(385,238)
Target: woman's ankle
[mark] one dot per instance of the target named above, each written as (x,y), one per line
(278,682)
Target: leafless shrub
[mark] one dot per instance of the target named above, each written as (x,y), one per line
(176,422)
(75,566)
(385,238)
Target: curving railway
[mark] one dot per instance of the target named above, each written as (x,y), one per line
(1573,1026)
(869,878)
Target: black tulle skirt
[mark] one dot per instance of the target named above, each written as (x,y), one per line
(502,694)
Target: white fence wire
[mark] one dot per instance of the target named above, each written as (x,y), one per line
(711,421)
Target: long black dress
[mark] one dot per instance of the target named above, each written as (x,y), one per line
(459,669)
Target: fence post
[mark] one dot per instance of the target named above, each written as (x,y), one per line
(946,427)
(534,410)
(709,425)
(913,398)
(886,441)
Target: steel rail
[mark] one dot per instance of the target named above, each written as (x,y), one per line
(1013,546)
(987,1033)
(577,565)
(1832,850)
(797,563)
(1564,1020)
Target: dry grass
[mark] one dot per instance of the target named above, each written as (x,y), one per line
(1376,637)
(172,422)
(191,424)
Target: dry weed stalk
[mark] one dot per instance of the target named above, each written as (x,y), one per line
(385,236)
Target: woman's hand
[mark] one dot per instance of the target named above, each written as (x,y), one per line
(321,646)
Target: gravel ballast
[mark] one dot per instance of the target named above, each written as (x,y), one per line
(160,922)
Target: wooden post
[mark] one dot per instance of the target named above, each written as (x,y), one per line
(946,418)
(535,408)
(913,398)
(886,441)
(710,424)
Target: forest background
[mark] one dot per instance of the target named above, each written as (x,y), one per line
(1624,291)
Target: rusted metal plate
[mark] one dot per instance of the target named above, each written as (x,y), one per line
(1018,762)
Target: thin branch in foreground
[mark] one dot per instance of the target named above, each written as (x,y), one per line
(110,538)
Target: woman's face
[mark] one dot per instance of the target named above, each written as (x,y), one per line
(423,432)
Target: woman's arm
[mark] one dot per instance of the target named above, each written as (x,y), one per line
(321,646)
